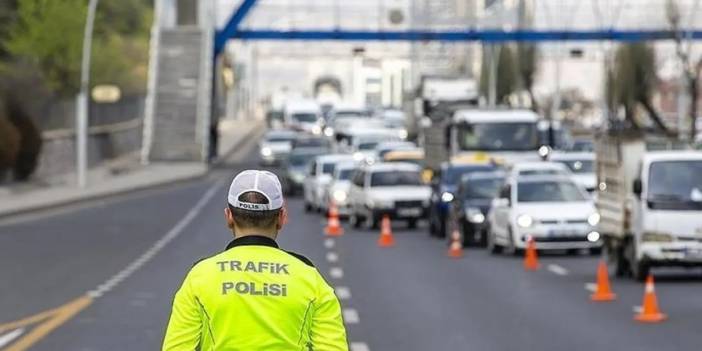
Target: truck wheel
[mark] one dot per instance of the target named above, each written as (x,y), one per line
(640,270)
(614,257)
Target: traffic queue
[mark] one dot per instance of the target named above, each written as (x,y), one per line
(494,189)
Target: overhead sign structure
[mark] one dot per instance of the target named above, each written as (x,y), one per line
(232,31)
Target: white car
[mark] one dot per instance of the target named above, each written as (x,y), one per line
(275,146)
(304,115)
(537,168)
(338,189)
(393,189)
(362,142)
(395,120)
(582,165)
(553,210)
(319,175)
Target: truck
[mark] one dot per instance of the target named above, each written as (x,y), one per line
(649,199)
(436,98)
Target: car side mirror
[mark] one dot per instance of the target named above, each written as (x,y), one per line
(637,188)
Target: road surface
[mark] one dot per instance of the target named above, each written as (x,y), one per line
(101,276)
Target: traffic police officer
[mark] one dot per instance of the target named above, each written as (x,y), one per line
(255,296)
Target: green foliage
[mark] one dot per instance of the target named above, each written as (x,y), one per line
(50,34)
(506,74)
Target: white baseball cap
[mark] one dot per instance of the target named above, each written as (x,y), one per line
(262,182)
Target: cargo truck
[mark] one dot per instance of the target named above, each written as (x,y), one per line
(649,199)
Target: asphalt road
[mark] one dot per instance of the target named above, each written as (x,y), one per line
(409,297)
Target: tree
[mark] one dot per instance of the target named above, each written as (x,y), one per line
(635,81)
(8,12)
(526,57)
(690,69)
(506,74)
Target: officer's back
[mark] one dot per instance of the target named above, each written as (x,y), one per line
(254,295)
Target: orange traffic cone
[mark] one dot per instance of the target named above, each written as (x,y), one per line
(456,247)
(650,313)
(531,260)
(333,225)
(386,239)
(603,292)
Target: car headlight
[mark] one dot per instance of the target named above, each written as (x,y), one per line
(475,215)
(525,221)
(266,151)
(447,197)
(358,156)
(316,130)
(593,237)
(594,219)
(329,131)
(657,237)
(403,134)
(339,196)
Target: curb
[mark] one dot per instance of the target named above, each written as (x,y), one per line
(125,191)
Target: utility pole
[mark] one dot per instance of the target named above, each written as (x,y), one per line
(82,99)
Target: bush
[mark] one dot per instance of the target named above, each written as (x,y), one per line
(30,141)
(9,145)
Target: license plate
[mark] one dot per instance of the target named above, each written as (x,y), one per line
(409,212)
(563,232)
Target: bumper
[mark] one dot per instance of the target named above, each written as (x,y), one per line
(563,238)
(672,254)
(400,213)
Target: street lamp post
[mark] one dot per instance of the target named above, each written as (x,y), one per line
(82,99)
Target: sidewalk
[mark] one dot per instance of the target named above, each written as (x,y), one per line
(104,181)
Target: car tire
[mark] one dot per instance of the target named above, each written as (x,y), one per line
(468,237)
(492,246)
(412,223)
(371,222)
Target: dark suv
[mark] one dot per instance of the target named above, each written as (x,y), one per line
(471,204)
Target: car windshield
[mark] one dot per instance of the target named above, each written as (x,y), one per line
(483,188)
(395,178)
(310,142)
(301,159)
(499,137)
(345,174)
(675,185)
(279,139)
(579,166)
(583,145)
(452,175)
(346,114)
(369,145)
(305,117)
(328,168)
(394,123)
(549,191)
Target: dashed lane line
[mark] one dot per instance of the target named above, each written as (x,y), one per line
(336,272)
(557,270)
(591,287)
(350,316)
(359,346)
(332,257)
(343,293)
(329,243)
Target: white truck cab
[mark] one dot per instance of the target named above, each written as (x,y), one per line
(650,203)
(508,136)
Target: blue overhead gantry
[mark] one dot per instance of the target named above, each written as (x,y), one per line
(232,30)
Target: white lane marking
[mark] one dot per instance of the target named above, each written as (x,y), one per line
(359,346)
(343,292)
(336,272)
(557,270)
(350,316)
(329,243)
(157,246)
(591,287)
(637,309)
(332,257)
(7,338)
